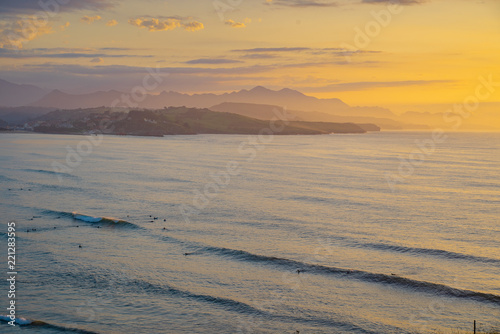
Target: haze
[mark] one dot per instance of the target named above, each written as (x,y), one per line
(409,56)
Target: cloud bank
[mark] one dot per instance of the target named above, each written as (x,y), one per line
(166,23)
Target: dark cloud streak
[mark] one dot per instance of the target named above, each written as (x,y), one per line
(255,50)
(212,61)
(33,6)
(41,53)
(365,85)
(301,3)
(395,2)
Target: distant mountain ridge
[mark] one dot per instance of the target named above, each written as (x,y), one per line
(61,100)
(14,95)
(306,108)
(267,112)
(284,97)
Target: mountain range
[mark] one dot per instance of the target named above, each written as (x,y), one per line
(251,103)
(14,95)
(267,112)
(288,98)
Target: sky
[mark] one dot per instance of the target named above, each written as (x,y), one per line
(405,55)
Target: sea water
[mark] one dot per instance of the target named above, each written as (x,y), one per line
(391,232)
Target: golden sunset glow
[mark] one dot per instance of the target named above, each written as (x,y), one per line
(404,56)
(250,166)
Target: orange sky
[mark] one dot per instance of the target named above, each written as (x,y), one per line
(418,56)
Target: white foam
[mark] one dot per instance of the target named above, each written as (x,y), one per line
(86,218)
(23,321)
(19,321)
(114,220)
(91,219)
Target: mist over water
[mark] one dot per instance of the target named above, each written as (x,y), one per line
(306,234)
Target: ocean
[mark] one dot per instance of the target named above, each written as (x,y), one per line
(390,232)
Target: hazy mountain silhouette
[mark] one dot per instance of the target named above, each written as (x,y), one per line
(256,102)
(259,95)
(61,100)
(267,112)
(289,98)
(14,95)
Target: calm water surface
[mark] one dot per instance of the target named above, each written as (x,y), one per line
(371,259)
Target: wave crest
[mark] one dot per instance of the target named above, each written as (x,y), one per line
(32,323)
(398,281)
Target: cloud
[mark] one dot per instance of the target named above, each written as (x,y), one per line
(258,50)
(165,23)
(95,76)
(395,2)
(111,23)
(81,84)
(52,7)
(96,60)
(301,3)
(90,19)
(14,33)
(330,3)
(118,49)
(364,85)
(155,24)
(123,69)
(341,52)
(120,70)
(235,24)
(64,26)
(64,53)
(24,20)
(258,56)
(212,61)
(273,52)
(193,26)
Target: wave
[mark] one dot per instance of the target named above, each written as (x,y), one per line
(49,172)
(119,284)
(241,307)
(92,219)
(314,199)
(369,277)
(58,213)
(365,276)
(57,187)
(6,178)
(17,321)
(37,323)
(439,253)
(430,251)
